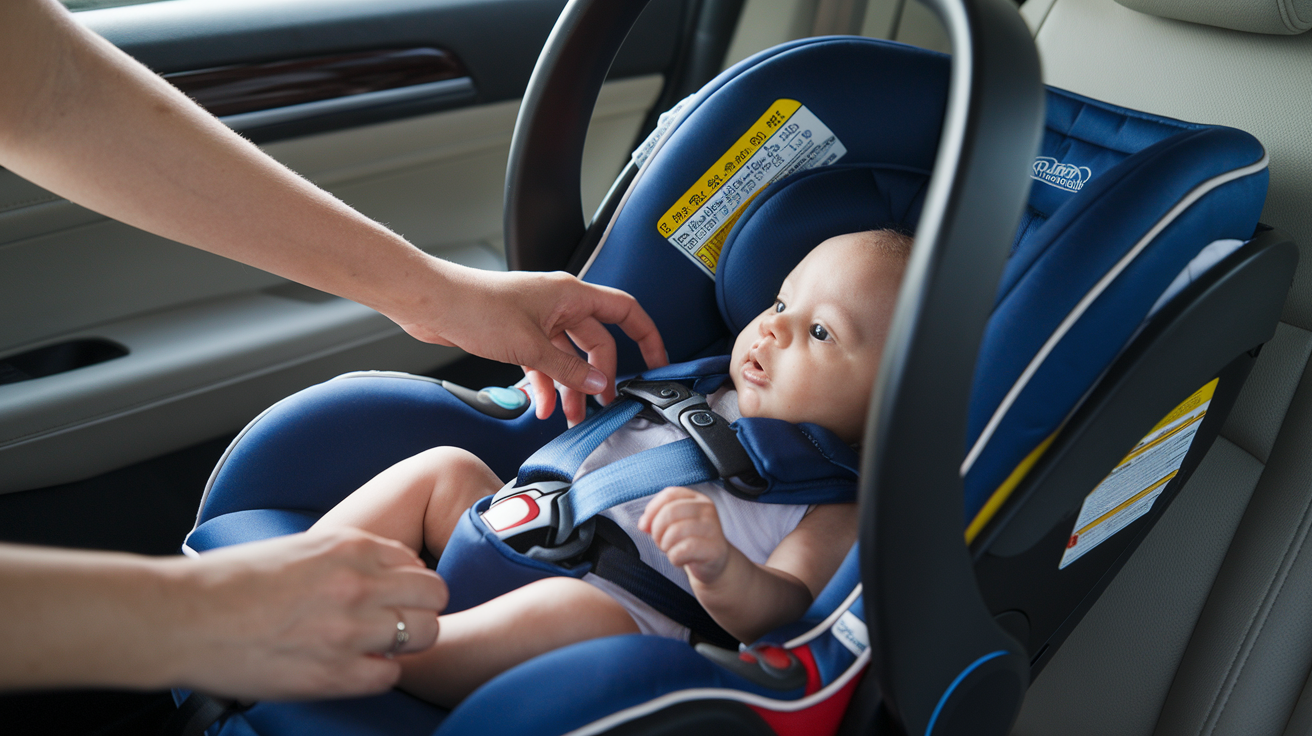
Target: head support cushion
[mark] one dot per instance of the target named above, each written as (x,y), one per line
(792,216)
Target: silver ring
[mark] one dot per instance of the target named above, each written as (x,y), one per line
(402,636)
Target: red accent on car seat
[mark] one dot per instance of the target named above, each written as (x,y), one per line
(821,719)
(777,657)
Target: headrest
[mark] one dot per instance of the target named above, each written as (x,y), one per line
(1281,17)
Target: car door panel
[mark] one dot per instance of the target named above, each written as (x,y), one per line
(209,342)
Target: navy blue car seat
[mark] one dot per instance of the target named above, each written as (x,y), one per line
(1135,226)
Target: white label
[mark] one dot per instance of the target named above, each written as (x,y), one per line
(786,139)
(1129,491)
(851,632)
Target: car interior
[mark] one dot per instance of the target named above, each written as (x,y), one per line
(129,363)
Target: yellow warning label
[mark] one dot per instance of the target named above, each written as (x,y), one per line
(738,154)
(1199,397)
(1128,492)
(786,138)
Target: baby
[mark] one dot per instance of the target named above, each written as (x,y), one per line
(810,357)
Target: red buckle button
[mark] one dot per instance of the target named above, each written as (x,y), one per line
(775,657)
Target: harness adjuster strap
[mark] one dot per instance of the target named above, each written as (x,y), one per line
(688,409)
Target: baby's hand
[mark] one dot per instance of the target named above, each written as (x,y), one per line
(686,526)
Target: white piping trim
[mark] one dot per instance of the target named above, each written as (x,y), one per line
(1193,196)
(716,693)
(825,625)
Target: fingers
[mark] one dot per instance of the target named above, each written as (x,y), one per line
(365,675)
(383,635)
(575,405)
(396,575)
(564,365)
(597,342)
(380,550)
(408,587)
(618,308)
(686,527)
(660,501)
(544,392)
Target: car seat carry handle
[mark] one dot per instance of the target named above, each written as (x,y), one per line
(544,208)
(943,665)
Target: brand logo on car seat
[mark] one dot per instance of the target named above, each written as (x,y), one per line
(1061,175)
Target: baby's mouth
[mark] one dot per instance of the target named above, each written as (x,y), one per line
(753,372)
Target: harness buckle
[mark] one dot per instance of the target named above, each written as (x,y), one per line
(683,407)
(532,520)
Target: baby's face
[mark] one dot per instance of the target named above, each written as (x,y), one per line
(813,355)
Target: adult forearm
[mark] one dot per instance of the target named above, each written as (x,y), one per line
(294,616)
(750,600)
(86,619)
(84,120)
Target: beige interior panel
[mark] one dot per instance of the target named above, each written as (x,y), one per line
(766,23)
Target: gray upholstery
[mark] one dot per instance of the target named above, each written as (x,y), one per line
(1208,629)
(1255,16)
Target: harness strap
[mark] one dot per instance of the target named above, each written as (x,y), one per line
(560,458)
(678,463)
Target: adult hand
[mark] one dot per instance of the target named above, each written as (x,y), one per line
(305,616)
(535,320)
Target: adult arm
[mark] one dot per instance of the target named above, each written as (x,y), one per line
(747,599)
(298,616)
(82,119)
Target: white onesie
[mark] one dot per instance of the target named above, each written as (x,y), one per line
(754,528)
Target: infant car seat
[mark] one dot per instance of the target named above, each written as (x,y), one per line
(1107,322)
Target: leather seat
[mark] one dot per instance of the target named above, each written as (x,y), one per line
(1206,630)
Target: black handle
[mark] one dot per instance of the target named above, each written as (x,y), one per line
(544,208)
(942,665)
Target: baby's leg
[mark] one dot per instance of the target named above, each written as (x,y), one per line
(477,644)
(417,501)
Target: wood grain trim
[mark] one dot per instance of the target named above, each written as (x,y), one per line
(231,90)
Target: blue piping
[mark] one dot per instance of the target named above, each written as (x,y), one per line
(943,700)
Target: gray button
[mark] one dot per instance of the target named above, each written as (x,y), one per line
(702,419)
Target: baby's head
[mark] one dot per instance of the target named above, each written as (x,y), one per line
(812,356)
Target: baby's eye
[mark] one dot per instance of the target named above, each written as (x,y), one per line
(819,332)
(778,306)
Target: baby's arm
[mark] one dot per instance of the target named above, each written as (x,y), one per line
(748,599)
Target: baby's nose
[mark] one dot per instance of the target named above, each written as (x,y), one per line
(776,326)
